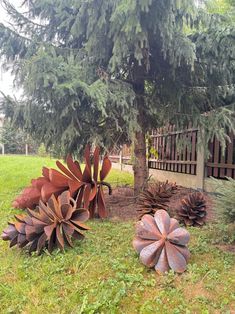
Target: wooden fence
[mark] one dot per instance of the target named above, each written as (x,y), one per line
(172,150)
(177,151)
(221,165)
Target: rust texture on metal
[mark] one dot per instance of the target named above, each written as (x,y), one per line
(162,243)
(85,186)
(51,225)
(155,197)
(193,210)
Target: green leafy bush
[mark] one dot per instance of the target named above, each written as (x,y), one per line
(225,199)
(42,151)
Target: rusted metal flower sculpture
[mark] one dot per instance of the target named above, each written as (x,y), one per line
(51,225)
(155,197)
(193,210)
(161,243)
(86,187)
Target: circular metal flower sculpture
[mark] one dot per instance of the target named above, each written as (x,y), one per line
(86,187)
(162,243)
(51,225)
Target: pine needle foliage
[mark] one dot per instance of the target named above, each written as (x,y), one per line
(101,70)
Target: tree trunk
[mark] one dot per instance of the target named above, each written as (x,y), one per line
(140,166)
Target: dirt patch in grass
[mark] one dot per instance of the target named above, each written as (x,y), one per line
(122,204)
(227,248)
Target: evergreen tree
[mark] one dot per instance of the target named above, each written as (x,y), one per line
(102,70)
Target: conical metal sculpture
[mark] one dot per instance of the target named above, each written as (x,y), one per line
(155,197)
(193,210)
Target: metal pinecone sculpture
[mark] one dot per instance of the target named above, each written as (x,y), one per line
(51,225)
(161,243)
(193,210)
(86,187)
(155,197)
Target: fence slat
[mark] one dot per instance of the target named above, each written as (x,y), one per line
(216,157)
(230,154)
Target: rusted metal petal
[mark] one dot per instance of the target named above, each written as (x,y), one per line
(48,189)
(96,157)
(174,224)
(162,265)
(65,170)
(101,204)
(57,178)
(76,171)
(139,243)
(179,236)
(162,220)
(146,233)
(106,167)
(184,251)
(86,196)
(80,214)
(161,243)
(64,198)
(45,172)
(176,260)
(148,228)
(149,255)
(93,192)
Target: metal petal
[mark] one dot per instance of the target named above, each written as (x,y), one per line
(86,176)
(106,167)
(162,265)
(96,157)
(101,204)
(176,260)
(145,230)
(86,196)
(139,243)
(174,224)
(57,178)
(76,171)
(184,251)
(150,254)
(163,221)
(179,236)
(65,170)
(81,215)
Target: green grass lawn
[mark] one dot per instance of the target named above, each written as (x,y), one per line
(102,274)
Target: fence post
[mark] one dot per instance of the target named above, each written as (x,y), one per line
(3,149)
(200,163)
(120,158)
(26,149)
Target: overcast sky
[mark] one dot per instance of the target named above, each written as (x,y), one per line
(6,80)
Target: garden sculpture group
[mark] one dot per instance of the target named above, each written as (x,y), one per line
(59,202)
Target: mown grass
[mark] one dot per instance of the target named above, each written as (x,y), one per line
(102,274)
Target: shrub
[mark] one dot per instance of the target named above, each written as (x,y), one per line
(42,151)
(225,199)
